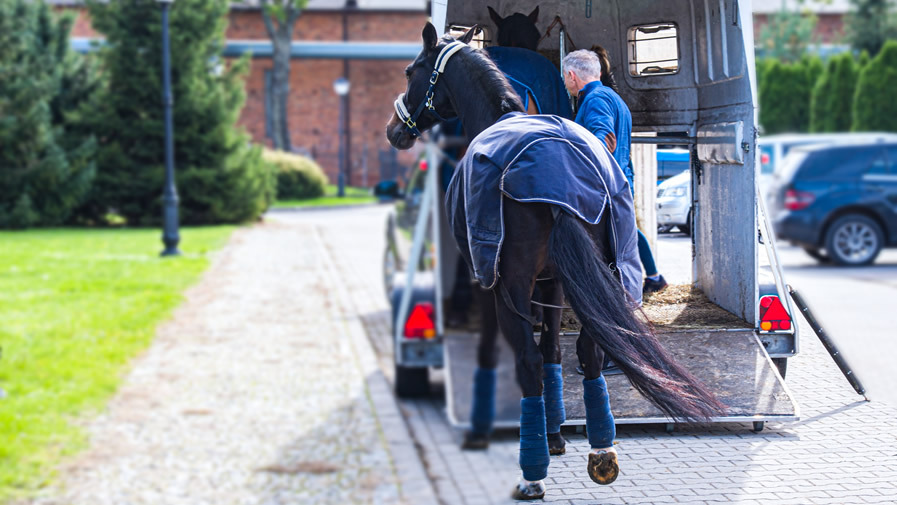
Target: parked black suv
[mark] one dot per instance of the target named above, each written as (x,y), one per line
(839,202)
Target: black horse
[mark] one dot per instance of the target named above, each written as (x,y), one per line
(447,80)
(517,30)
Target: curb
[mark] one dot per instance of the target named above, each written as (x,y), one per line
(287,210)
(416,487)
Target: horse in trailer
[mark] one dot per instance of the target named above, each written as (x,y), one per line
(512,224)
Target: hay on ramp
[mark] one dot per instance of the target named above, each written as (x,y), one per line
(678,307)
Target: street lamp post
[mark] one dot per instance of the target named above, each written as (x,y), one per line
(341,87)
(170,235)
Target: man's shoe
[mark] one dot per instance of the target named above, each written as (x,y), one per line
(654,286)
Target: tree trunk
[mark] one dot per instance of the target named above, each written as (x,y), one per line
(280,90)
(281,36)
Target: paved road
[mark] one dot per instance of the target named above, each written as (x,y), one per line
(263,388)
(857,306)
(842,450)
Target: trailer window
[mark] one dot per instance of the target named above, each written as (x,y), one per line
(480,38)
(653,49)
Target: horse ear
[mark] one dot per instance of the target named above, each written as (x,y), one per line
(468,35)
(430,37)
(495,17)
(534,15)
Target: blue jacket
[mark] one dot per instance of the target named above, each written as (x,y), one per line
(602,111)
(539,158)
(530,71)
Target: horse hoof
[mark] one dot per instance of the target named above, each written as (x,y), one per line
(529,491)
(556,444)
(603,467)
(475,441)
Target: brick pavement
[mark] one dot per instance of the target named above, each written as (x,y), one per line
(843,451)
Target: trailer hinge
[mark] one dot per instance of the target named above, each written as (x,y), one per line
(697,166)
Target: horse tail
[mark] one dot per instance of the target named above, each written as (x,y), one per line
(604,310)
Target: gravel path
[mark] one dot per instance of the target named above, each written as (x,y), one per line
(258,391)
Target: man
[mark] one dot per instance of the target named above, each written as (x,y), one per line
(603,112)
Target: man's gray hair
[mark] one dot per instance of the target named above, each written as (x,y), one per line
(584,63)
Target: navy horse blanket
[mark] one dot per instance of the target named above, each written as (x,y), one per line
(546,159)
(530,73)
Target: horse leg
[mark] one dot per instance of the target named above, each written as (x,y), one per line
(603,466)
(553,379)
(524,254)
(533,457)
(482,412)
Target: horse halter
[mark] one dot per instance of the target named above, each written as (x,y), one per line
(410,120)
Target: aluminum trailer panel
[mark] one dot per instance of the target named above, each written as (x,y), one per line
(746,380)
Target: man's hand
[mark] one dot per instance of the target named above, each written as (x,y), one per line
(610,140)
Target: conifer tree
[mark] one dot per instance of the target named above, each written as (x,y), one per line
(45,159)
(785,98)
(820,99)
(874,106)
(220,177)
(844,82)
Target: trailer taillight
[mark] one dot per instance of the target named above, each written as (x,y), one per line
(773,315)
(420,323)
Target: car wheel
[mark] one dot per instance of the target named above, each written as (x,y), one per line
(853,240)
(817,254)
(688,225)
(663,229)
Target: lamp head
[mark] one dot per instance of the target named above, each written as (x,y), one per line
(341,86)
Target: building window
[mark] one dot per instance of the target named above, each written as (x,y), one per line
(480,38)
(269,106)
(654,49)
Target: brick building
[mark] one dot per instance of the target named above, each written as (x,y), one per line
(381,37)
(830,14)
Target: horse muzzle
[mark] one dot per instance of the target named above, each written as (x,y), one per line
(398,135)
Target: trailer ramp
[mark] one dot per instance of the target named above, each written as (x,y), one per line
(732,363)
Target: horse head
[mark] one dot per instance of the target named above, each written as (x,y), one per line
(517,30)
(420,106)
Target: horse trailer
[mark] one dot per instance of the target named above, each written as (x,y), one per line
(686,70)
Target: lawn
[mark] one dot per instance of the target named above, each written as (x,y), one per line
(76,306)
(354,196)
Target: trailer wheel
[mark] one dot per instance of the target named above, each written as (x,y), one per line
(758,426)
(781,364)
(412,382)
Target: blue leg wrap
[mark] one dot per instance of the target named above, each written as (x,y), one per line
(533,442)
(483,412)
(553,392)
(599,420)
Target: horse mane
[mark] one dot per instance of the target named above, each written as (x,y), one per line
(486,74)
(607,75)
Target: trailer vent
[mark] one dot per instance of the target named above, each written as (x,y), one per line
(654,49)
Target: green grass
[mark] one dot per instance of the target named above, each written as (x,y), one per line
(75,307)
(354,196)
